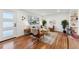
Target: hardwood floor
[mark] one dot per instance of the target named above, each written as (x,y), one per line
(73,43)
(61,42)
(27,42)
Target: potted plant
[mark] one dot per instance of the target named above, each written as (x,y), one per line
(64,25)
(44,22)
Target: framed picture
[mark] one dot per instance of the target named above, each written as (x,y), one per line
(33,20)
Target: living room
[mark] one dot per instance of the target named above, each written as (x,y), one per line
(39,28)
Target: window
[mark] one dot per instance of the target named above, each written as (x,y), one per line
(8,15)
(8,22)
(7,33)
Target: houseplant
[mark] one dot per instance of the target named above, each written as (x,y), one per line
(64,25)
(44,22)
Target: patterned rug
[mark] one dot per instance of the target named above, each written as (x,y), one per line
(49,38)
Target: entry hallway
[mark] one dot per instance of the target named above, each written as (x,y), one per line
(62,41)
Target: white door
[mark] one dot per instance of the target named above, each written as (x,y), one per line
(8,25)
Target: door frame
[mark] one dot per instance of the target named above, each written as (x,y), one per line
(14,28)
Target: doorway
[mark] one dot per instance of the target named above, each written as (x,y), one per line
(8,25)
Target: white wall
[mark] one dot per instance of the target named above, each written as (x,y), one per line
(21,24)
(0,27)
(57,18)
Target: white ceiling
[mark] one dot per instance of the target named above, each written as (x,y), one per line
(46,12)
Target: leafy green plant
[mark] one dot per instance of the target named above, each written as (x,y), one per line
(44,22)
(64,24)
(34,22)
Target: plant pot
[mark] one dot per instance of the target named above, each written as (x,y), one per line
(64,31)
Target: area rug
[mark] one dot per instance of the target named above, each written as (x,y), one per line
(49,38)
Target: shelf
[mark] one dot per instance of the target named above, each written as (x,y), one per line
(74,23)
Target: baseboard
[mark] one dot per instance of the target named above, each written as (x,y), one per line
(20,36)
(7,40)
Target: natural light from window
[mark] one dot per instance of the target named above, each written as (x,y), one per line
(8,24)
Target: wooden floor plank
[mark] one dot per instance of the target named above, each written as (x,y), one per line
(27,42)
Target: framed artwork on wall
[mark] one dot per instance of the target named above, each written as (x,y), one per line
(33,20)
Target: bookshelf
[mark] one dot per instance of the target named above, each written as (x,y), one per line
(74,22)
